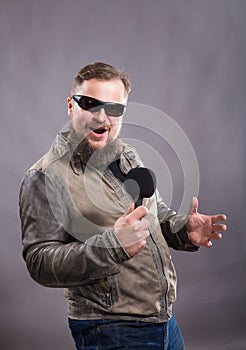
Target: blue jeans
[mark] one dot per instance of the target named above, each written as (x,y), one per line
(122,335)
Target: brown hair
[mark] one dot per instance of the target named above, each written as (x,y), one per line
(101,71)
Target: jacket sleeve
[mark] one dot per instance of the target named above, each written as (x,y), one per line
(173,227)
(53,257)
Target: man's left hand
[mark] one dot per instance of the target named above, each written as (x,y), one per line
(202,229)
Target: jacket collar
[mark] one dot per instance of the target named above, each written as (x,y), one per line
(128,157)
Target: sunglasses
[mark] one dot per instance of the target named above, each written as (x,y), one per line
(91,104)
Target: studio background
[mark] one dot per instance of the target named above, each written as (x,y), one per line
(186,58)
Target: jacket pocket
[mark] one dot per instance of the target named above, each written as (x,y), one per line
(107,288)
(101,294)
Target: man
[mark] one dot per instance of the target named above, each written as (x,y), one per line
(82,232)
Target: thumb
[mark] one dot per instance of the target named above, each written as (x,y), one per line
(194,205)
(130,208)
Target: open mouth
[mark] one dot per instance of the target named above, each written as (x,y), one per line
(99,131)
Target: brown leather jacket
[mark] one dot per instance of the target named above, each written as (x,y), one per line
(68,212)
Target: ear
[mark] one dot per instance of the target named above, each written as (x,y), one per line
(70,107)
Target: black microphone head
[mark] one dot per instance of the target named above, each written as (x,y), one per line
(140,183)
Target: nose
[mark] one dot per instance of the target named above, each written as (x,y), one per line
(100,115)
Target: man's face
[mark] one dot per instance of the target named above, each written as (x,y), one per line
(97,127)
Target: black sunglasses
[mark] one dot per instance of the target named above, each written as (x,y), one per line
(91,104)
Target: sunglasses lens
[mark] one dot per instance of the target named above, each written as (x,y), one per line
(114,109)
(93,105)
(88,103)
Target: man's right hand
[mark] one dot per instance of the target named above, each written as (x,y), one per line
(132,230)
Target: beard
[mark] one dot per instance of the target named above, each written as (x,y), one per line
(96,157)
(99,157)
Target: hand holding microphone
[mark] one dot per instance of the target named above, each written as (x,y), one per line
(132,229)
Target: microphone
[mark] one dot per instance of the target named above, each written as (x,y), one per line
(140,183)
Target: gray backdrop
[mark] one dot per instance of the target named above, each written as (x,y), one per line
(186,58)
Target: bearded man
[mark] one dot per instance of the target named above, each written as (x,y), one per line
(82,232)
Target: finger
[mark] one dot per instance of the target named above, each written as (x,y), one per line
(135,239)
(141,245)
(137,213)
(218,218)
(208,244)
(216,236)
(219,228)
(130,208)
(145,234)
(135,249)
(143,225)
(137,226)
(194,205)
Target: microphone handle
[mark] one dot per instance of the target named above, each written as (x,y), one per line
(138,202)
